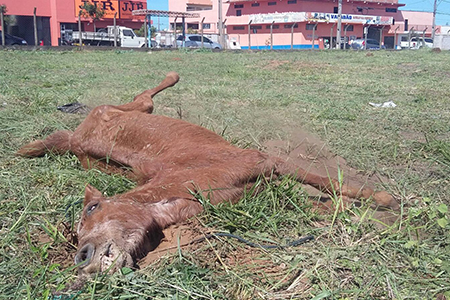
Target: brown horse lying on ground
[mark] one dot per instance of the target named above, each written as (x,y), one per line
(171,160)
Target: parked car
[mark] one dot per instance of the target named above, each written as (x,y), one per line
(12,40)
(416,42)
(372,44)
(195,41)
(419,42)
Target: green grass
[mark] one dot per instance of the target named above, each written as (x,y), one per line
(249,98)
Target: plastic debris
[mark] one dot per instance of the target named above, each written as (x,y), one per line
(385,104)
(74,108)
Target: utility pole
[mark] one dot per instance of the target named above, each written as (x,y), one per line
(220,24)
(338,29)
(433,28)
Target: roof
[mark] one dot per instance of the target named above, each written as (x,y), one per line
(164,13)
(200,2)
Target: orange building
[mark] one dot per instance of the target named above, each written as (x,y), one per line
(53,17)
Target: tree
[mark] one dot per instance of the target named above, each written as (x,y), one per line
(141,31)
(92,11)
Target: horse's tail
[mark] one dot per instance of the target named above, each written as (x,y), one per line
(58,143)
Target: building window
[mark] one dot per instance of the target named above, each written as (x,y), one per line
(335,10)
(292,1)
(290,25)
(272,3)
(391,10)
(238,27)
(206,25)
(238,12)
(311,26)
(274,26)
(192,26)
(194,7)
(255,4)
(348,28)
(406,24)
(239,6)
(255,27)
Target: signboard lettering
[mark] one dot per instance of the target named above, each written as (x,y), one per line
(122,7)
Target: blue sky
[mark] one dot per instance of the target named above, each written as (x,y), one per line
(159,5)
(443,9)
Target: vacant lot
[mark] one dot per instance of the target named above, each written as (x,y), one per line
(252,99)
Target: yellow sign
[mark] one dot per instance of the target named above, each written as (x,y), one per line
(123,8)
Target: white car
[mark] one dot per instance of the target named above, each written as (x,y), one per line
(419,42)
(416,42)
(195,41)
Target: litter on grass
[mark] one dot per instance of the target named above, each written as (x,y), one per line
(385,104)
(74,108)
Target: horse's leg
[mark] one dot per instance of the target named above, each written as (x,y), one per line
(143,102)
(330,185)
(58,143)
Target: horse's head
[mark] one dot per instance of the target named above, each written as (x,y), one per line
(114,233)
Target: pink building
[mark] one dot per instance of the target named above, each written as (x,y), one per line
(56,16)
(258,24)
(300,24)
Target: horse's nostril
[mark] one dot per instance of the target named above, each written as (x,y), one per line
(84,255)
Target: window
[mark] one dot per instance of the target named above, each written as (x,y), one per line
(127,32)
(255,27)
(193,7)
(335,10)
(290,25)
(391,10)
(239,6)
(238,27)
(406,24)
(348,28)
(255,4)
(192,26)
(274,26)
(311,26)
(238,12)
(206,26)
(292,1)
(272,3)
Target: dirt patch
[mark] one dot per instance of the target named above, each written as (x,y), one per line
(413,136)
(273,64)
(177,236)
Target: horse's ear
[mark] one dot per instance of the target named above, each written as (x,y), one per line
(91,193)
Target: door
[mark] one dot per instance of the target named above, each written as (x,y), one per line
(129,39)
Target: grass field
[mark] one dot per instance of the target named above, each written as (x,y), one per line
(248,98)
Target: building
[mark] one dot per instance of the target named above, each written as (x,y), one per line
(255,24)
(54,17)
(303,24)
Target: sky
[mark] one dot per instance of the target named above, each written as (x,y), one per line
(443,8)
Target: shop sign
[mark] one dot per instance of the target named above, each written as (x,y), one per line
(123,8)
(348,19)
(289,17)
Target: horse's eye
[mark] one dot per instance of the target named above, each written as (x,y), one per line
(91,208)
